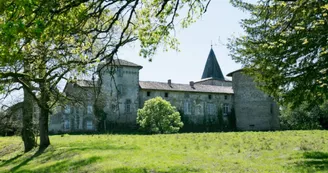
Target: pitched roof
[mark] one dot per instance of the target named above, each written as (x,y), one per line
(185,87)
(119,62)
(230,74)
(212,67)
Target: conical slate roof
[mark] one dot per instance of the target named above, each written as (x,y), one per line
(212,68)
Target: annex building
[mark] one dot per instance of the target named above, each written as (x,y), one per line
(112,101)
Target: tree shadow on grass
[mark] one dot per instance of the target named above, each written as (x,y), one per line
(6,162)
(36,154)
(65,165)
(313,161)
(61,158)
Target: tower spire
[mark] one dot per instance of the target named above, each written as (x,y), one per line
(212,68)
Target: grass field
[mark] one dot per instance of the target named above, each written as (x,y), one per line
(287,151)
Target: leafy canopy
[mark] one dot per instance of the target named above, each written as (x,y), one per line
(285,47)
(159,116)
(43,43)
(304,117)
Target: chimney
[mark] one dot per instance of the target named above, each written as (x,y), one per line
(191,83)
(169,82)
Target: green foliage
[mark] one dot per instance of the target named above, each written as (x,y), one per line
(305,117)
(159,116)
(285,151)
(46,42)
(285,48)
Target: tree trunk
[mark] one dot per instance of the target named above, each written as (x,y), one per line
(27,129)
(44,116)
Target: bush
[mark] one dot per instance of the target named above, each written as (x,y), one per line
(159,116)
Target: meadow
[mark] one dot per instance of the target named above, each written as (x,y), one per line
(282,151)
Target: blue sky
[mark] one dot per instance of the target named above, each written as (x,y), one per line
(220,22)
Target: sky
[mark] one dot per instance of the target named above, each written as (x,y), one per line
(220,22)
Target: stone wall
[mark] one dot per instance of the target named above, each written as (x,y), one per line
(76,114)
(196,108)
(254,109)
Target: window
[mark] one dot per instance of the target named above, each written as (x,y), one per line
(66,124)
(225,109)
(89,125)
(128,106)
(77,121)
(225,97)
(77,110)
(114,107)
(120,89)
(199,110)
(120,72)
(186,95)
(209,97)
(89,109)
(210,108)
(67,109)
(166,94)
(187,107)
(148,93)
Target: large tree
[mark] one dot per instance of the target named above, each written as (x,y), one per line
(285,47)
(60,39)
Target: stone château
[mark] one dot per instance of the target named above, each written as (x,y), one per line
(113,100)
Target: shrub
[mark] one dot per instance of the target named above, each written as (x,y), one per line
(159,116)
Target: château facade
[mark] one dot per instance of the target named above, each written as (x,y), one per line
(113,100)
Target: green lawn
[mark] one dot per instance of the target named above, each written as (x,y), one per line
(287,151)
